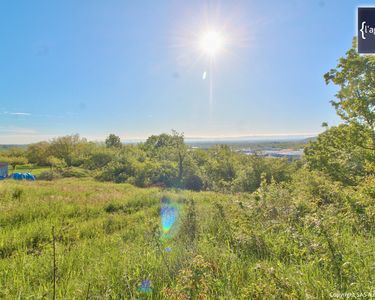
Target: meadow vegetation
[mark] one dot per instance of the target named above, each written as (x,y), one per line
(301,240)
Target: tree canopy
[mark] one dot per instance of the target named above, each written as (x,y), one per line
(347,152)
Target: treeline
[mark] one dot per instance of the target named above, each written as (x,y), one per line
(163,160)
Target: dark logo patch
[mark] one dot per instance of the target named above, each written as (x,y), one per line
(366,30)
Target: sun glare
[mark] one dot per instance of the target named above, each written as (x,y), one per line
(211,43)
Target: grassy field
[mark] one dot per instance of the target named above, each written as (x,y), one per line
(279,242)
(35,170)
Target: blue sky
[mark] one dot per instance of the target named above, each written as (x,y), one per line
(132,68)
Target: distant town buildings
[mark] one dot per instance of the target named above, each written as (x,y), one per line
(275,152)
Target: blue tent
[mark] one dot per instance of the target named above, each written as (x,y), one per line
(30,176)
(22,176)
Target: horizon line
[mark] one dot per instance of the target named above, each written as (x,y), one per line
(191,138)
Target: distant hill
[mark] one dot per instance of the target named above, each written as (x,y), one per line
(6,147)
(242,142)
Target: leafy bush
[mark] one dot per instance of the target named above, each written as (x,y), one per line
(99,160)
(193,182)
(74,172)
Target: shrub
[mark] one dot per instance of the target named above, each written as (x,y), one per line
(49,175)
(193,182)
(74,172)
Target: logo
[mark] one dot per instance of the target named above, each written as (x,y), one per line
(366,30)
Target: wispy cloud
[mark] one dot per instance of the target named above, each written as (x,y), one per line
(17,135)
(17,130)
(17,113)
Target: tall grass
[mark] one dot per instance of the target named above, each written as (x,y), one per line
(284,242)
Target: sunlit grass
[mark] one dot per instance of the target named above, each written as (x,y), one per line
(224,246)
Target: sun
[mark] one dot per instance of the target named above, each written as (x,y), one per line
(211,43)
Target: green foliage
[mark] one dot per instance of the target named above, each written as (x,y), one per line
(193,182)
(336,153)
(49,175)
(113,141)
(302,239)
(99,159)
(74,172)
(222,166)
(55,162)
(15,161)
(67,147)
(255,168)
(14,156)
(169,147)
(354,75)
(38,153)
(347,152)
(163,160)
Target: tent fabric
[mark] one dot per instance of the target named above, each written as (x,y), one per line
(22,176)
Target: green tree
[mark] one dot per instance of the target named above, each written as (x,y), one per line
(355,100)
(347,152)
(113,141)
(15,156)
(55,162)
(37,153)
(16,161)
(66,147)
(334,152)
(99,159)
(221,167)
(168,147)
(181,151)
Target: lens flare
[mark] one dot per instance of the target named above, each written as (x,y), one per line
(145,286)
(168,217)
